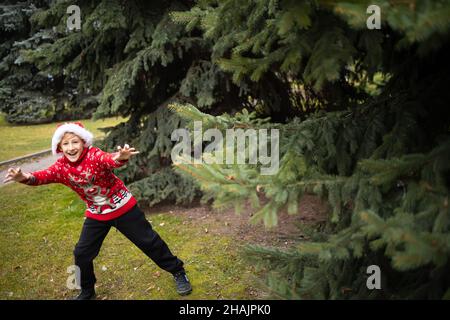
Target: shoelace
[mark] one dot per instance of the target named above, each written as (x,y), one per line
(181,276)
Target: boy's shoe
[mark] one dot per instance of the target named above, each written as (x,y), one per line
(86,294)
(182,283)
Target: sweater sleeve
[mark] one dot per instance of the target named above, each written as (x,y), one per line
(46,176)
(106,160)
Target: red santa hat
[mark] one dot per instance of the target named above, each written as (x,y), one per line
(72,127)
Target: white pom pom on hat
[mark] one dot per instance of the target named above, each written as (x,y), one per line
(72,127)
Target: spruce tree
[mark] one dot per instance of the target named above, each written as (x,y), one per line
(379,154)
(27,94)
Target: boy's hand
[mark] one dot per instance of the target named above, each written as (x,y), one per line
(15,174)
(124,153)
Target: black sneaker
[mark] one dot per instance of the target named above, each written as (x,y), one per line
(182,283)
(86,294)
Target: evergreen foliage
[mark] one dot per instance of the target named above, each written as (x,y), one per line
(28,95)
(382,161)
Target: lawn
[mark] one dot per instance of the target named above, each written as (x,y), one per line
(40,227)
(20,140)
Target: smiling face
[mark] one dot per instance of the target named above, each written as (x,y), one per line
(72,146)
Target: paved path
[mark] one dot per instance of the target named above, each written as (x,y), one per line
(29,165)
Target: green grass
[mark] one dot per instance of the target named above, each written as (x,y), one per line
(39,229)
(16,141)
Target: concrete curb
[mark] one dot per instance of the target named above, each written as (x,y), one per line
(32,155)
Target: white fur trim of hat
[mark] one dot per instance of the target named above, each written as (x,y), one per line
(75,128)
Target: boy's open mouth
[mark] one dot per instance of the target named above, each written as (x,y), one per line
(72,155)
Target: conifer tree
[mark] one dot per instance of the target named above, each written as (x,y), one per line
(380,157)
(27,94)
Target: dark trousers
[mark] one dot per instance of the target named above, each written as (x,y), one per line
(137,229)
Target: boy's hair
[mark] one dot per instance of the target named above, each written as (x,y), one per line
(76,128)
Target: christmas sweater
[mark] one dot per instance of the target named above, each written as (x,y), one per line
(92,177)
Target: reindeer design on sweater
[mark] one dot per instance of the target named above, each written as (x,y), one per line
(96,194)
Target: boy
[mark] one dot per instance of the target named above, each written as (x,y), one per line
(89,172)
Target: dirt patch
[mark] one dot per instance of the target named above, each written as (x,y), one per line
(312,210)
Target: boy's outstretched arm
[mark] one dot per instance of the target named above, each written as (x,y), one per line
(32,178)
(16,174)
(124,153)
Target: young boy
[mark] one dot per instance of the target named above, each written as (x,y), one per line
(89,172)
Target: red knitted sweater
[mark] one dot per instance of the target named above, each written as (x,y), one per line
(92,177)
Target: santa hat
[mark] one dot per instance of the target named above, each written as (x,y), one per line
(72,127)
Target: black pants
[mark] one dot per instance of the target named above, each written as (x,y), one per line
(136,228)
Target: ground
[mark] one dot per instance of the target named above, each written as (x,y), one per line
(312,210)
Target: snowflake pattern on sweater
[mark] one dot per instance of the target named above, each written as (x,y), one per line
(92,177)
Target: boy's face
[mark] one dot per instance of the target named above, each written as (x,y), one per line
(71,146)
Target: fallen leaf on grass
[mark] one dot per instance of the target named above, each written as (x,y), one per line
(150,288)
